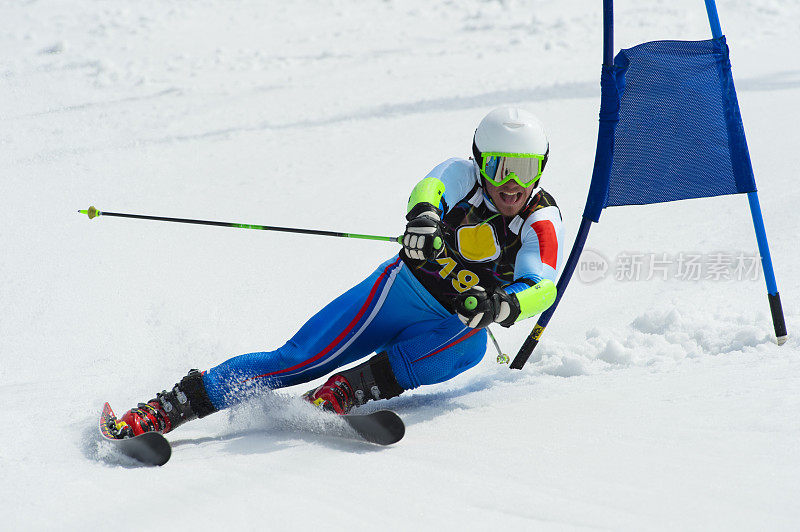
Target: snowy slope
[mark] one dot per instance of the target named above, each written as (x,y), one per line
(649,404)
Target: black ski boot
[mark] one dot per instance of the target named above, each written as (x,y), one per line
(372,379)
(186,401)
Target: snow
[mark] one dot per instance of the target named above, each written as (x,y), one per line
(651,404)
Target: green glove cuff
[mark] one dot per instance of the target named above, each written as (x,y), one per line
(536,299)
(429,190)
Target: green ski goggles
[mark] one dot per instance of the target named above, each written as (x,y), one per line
(500,168)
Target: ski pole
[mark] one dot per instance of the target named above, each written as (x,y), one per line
(502,358)
(91,212)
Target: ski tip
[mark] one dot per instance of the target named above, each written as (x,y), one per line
(106,413)
(106,416)
(383,427)
(155,449)
(149,448)
(388,415)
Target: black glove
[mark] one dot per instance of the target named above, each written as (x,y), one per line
(477,308)
(423,237)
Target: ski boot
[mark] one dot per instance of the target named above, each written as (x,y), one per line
(372,379)
(186,401)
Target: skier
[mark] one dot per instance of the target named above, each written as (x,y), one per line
(482,245)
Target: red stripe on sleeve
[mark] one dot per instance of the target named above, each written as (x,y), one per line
(548,243)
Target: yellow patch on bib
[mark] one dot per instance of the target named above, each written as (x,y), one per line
(477,243)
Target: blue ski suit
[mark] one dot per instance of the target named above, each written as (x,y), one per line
(405,309)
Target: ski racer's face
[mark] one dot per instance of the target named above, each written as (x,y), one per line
(509,198)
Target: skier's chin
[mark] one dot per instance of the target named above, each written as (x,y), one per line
(509,203)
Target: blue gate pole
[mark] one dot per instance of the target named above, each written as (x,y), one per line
(602,168)
(773,296)
(778,321)
(713,19)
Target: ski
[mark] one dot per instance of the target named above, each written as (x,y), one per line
(383,427)
(150,448)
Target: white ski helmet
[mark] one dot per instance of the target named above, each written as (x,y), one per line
(510,130)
